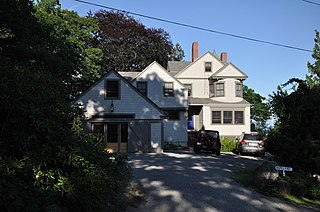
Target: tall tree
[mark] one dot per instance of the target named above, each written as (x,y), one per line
(128,45)
(177,53)
(295,139)
(74,33)
(259,109)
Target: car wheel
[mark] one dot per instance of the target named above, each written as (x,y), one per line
(197,151)
(218,152)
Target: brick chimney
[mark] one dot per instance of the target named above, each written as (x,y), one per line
(224,57)
(194,51)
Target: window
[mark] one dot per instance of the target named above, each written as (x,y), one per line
(238,119)
(220,89)
(143,88)
(211,88)
(216,117)
(173,115)
(168,89)
(227,117)
(189,87)
(207,66)
(238,90)
(112,89)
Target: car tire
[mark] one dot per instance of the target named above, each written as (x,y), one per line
(218,152)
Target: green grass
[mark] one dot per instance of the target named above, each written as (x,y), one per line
(245,178)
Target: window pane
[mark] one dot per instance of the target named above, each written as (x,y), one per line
(227,117)
(112,89)
(239,90)
(238,117)
(211,89)
(207,66)
(124,132)
(168,89)
(143,88)
(98,128)
(112,133)
(220,89)
(216,117)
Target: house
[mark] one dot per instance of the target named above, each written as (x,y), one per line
(141,111)
(127,119)
(215,93)
(168,94)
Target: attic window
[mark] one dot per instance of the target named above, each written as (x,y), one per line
(207,66)
(168,89)
(112,89)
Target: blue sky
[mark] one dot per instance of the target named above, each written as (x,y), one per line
(288,22)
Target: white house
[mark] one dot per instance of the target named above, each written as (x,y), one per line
(128,120)
(141,111)
(215,93)
(169,95)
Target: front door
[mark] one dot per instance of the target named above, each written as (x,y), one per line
(117,137)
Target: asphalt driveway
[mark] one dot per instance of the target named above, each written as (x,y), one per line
(184,181)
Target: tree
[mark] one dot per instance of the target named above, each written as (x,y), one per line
(259,110)
(75,34)
(128,45)
(295,140)
(177,53)
(42,160)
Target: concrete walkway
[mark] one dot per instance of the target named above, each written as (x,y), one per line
(184,181)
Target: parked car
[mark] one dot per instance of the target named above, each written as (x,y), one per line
(208,141)
(251,143)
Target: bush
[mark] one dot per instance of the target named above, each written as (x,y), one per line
(228,145)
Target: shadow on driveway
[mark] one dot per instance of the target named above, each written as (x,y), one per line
(184,181)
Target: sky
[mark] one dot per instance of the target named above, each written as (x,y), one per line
(287,22)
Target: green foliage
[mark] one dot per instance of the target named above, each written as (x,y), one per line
(295,140)
(260,111)
(228,145)
(45,158)
(177,53)
(305,186)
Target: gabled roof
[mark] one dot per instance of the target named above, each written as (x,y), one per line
(128,84)
(175,66)
(213,54)
(220,73)
(161,68)
(129,76)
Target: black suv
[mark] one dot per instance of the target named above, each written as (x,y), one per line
(207,140)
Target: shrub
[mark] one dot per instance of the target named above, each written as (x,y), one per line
(228,145)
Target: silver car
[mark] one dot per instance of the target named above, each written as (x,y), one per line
(251,143)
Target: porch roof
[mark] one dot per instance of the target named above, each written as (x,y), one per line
(208,101)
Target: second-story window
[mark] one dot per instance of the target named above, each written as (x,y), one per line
(112,89)
(168,89)
(143,88)
(211,89)
(208,66)
(238,90)
(219,89)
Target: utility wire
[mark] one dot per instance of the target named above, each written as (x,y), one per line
(311,2)
(198,28)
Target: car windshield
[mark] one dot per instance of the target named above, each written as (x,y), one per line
(252,137)
(212,134)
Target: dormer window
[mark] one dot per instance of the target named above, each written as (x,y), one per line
(208,66)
